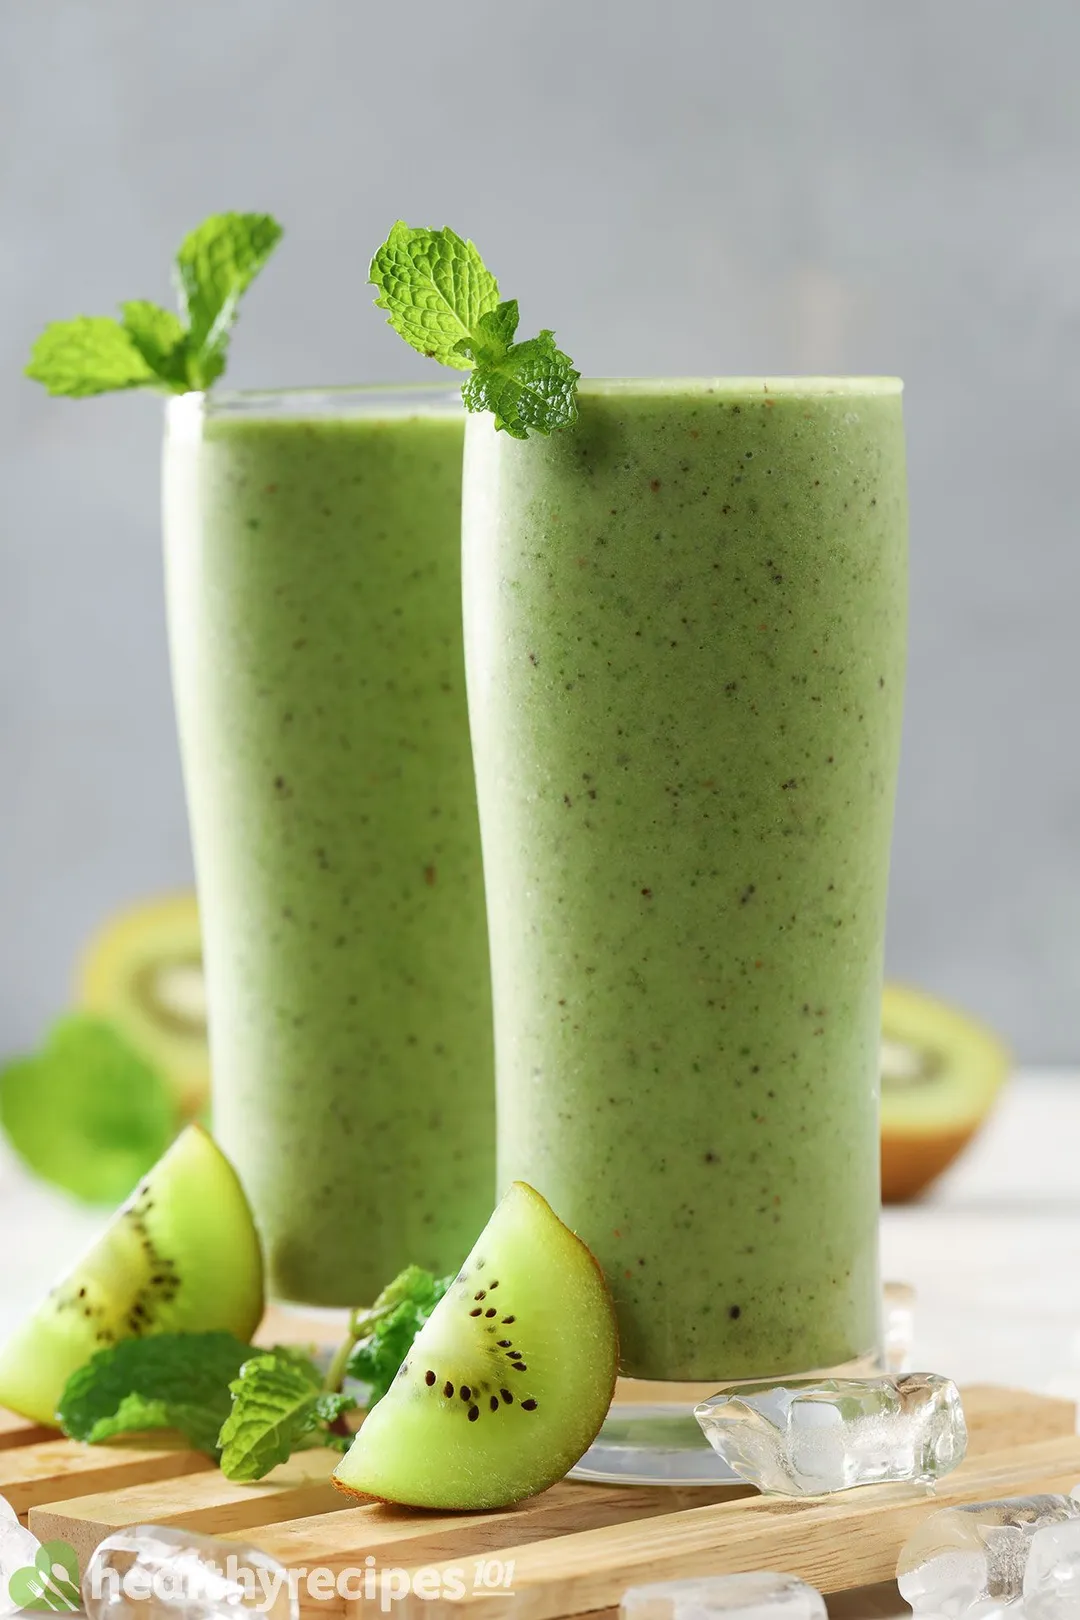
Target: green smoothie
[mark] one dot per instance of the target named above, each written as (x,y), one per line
(685,626)
(313,573)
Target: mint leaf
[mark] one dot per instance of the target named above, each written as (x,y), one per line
(90,355)
(215,265)
(406,1304)
(152,347)
(414,1285)
(87,1112)
(434,287)
(159,337)
(440,297)
(277,1408)
(494,333)
(532,386)
(165,1381)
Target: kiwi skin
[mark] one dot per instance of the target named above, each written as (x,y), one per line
(958,1066)
(491,1407)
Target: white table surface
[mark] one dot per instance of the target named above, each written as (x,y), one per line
(993,1253)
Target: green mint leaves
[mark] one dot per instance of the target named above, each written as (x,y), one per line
(385,1334)
(87,1112)
(440,297)
(215,266)
(435,290)
(279,1406)
(165,1381)
(150,347)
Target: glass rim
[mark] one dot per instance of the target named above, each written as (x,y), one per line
(788,387)
(185,411)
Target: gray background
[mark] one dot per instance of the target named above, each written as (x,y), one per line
(675,186)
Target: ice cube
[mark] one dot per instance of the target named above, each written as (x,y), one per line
(1052,1572)
(812,1436)
(157,1572)
(764,1595)
(961,1561)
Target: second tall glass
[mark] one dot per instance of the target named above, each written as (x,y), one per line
(313,575)
(685,623)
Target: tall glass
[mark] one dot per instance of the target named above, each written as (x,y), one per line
(685,628)
(313,577)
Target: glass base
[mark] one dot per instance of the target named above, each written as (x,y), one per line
(646,1444)
(651,1436)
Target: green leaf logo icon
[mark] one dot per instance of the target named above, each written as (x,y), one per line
(51,1582)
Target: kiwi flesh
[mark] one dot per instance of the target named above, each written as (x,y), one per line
(143,971)
(509,1380)
(941,1071)
(182,1255)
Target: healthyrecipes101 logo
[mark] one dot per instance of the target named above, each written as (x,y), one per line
(52,1582)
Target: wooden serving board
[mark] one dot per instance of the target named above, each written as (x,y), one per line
(571,1551)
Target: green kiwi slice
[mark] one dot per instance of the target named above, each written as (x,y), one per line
(506,1384)
(181,1255)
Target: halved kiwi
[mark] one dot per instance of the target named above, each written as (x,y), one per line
(507,1383)
(143,971)
(182,1255)
(940,1073)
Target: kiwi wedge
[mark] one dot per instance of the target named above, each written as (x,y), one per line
(143,971)
(941,1071)
(181,1255)
(509,1380)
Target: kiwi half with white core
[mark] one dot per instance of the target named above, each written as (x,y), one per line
(507,1383)
(941,1071)
(181,1256)
(143,971)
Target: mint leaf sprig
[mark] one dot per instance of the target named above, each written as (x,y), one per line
(278,1406)
(382,1337)
(444,301)
(151,347)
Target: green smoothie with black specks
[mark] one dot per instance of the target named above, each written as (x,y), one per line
(313,572)
(685,629)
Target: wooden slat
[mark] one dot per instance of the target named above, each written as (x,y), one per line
(835,1544)
(412,1536)
(30,1475)
(20,1431)
(205,1501)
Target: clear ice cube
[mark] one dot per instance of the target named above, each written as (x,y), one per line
(1052,1572)
(158,1572)
(963,1561)
(811,1436)
(763,1595)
